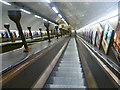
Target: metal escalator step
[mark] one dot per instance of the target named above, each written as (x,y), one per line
(69,59)
(69,49)
(65,86)
(71,56)
(71,52)
(66,74)
(69,70)
(67,81)
(69,65)
(74,61)
(66,57)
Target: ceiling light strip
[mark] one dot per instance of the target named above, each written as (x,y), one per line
(25,11)
(5,2)
(56,11)
(37,16)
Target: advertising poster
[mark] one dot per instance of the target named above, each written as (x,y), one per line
(107,35)
(83,32)
(94,35)
(99,35)
(116,43)
(87,34)
(90,34)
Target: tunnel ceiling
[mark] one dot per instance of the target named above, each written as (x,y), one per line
(78,14)
(41,8)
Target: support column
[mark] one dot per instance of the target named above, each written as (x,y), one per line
(15,15)
(41,32)
(46,24)
(29,28)
(56,27)
(7,26)
(61,31)
(51,32)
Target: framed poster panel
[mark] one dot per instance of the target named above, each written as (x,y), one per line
(83,31)
(99,35)
(116,43)
(94,35)
(87,34)
(107,35)
(90,34)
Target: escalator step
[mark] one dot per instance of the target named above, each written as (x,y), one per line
(69,69)
(65,86)
(66,74)
(67,81)
(70,61)
(69,65)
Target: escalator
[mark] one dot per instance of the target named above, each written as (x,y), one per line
(68,72)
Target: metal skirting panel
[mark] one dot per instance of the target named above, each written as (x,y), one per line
(29,76)
(101,78)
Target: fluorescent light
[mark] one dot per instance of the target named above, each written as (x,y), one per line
(48,1)
(53,23)
(59,15)
(45,19)
(49,21)
(5,2)
(56,11)
(64,21)
(25,11)
(37,16)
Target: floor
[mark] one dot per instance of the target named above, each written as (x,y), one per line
(15,56)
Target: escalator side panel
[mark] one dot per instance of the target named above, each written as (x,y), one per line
(29,76)
(102,80)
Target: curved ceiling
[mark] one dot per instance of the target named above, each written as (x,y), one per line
(77,14)
(80,14)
